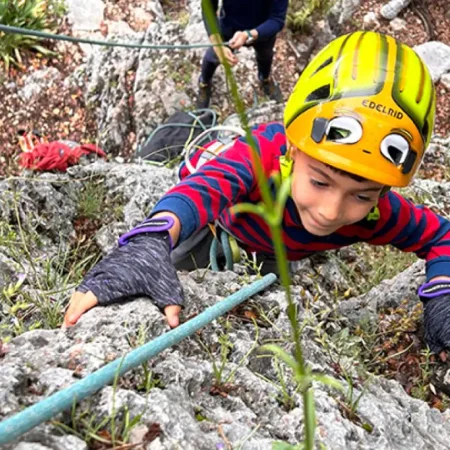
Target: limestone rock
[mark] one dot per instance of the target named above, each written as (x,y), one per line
(436,55)
(391,9)
(85,15)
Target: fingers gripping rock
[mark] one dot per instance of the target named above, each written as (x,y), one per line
(140,268)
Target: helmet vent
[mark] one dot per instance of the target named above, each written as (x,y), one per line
(425,130)
(319,94)
(326,63)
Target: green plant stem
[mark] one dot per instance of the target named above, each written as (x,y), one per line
(307,393)
(274,216)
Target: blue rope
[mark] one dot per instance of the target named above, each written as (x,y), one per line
(213,251)
(27,419)
(226,250)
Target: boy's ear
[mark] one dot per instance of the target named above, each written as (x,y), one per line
(291,151)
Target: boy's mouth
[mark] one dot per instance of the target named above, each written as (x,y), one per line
(318,223)
(320,226)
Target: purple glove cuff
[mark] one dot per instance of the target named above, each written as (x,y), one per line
(434,289)
(154,225)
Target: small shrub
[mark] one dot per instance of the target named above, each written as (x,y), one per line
(373,265)
(91,200)
(39,15)
(301,12)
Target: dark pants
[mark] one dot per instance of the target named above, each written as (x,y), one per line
(193,254)
(264,57)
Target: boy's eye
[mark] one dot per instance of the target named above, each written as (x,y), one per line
(318,183)
(363,198)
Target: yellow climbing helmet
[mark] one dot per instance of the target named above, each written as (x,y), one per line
(365,104)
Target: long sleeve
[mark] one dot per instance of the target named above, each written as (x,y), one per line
(413,228)
(275,21)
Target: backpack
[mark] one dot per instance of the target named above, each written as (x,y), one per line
(57,155)
(168,140)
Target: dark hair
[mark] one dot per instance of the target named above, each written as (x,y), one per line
(347,174)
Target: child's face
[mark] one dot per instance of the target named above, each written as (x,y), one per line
(327,200)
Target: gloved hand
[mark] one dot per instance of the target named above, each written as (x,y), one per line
(436,298)
(140,266)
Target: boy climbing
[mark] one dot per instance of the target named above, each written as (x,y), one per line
(256,24)
(356,124)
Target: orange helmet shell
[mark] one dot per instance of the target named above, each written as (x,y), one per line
(381,83)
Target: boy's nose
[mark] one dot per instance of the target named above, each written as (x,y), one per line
(330,210)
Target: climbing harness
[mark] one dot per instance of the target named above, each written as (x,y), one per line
(217,147)
(230,247)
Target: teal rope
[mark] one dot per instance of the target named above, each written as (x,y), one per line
(224,240)
(214,251)
(64,37)
(27,419)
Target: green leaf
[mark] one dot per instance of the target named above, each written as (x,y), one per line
(330,381)
(367,427)
(283,355)
(248,208)
(43,50)
(39,15)
(282,196)
(20,307)
(280,445)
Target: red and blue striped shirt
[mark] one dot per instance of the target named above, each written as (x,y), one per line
(207,195)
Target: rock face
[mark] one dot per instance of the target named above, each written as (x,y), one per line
(165,81)
(391,9)
(436,56)
(216,389)
(176,394)
(342,10)
(42,361)
(37,82)
(86,15)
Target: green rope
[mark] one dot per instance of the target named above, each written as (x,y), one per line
(226,249)
(63,37)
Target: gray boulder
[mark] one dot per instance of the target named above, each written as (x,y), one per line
(436,56)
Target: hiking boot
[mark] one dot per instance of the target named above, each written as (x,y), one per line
(271,89)
(204,95)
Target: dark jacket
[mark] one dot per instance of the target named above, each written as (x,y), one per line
(266,16)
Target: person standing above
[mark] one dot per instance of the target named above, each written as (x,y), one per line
(253,23)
